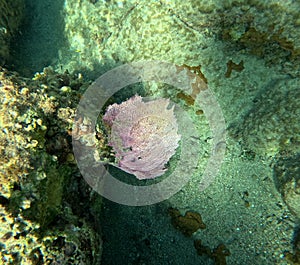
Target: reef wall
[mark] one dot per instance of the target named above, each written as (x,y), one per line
(42,195)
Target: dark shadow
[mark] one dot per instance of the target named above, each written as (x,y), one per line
(144,235)
(40,37)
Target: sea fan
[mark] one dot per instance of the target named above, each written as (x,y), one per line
(143,135)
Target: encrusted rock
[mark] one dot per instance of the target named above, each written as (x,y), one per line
(273,123)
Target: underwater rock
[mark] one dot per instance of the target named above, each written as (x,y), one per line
(48,214)
(178,31)
(273,124)
(287,180)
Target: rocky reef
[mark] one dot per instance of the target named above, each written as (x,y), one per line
(41,192)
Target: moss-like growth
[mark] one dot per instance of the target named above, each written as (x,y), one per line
(218,254)
(45,213)
(187,224)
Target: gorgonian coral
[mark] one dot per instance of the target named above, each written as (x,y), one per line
(143,135)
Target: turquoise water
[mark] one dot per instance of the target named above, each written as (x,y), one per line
(41,36)
(253,205)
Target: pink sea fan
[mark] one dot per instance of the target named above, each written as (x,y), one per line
(143,135)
